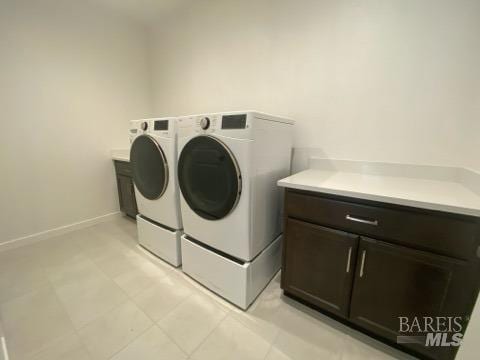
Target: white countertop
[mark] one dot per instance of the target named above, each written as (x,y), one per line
(120,154)
(442,195)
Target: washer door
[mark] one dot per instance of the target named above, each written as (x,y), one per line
(209,177)
(149,167)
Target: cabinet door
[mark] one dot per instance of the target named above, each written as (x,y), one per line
(393,281)
(318,265)
(127,195)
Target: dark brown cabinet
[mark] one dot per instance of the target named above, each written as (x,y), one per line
(394,281)
(126,192)
(321,264)
(332,262)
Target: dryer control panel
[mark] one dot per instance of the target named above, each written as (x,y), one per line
(231,122)
(206,124)
(245,125)
(231,125)
(163,127)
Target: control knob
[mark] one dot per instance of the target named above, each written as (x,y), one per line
(205,123)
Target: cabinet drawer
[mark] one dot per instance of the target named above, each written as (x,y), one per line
(440,233)
(123,168)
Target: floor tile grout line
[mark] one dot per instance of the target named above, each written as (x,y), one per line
(226,312)
(194,291)
(272,343)
(165,315)
(154,323)
(66,311)
(48,283)
(51,287)
(30,290)
(172,340)
(132,297)
(130,342)
(208,335)
(76,331)
(177,272)
(128,298)
(98,316)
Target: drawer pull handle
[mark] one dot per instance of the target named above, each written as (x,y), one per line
(363,263)
(349,258)
(363,221)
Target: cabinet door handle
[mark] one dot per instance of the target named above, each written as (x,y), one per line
(348,259)
(363,263)
(363,221)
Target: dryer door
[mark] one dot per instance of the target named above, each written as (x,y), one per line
(149,167)
(209,177)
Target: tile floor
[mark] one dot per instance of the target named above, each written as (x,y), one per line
(94,294)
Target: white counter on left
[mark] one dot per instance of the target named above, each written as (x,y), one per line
(120,154)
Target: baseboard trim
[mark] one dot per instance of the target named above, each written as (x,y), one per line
(30,239)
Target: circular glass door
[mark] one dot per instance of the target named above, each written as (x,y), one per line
(149,167)
(209,177)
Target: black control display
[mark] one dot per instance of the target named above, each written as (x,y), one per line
(160,125)
(234,121)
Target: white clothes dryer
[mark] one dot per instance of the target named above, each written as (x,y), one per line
(229,164)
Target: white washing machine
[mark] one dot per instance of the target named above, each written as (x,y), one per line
(153,158)
(228,167)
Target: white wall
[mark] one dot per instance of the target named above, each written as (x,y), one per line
(374,80)
(471,129)
(472,135)
(378,80)
(383,80)
(71,76)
